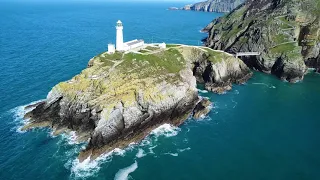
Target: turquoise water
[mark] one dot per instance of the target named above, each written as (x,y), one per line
(266,129)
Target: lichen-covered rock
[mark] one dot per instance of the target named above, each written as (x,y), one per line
(218,70)
(120,98)
(285,32)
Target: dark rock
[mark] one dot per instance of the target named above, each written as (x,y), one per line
(202,108)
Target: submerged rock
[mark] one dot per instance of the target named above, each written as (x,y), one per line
(285,32)
(121,97)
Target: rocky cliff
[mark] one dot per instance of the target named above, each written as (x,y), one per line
(285,32)
(215,5)
(121,97)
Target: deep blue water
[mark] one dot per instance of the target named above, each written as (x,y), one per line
(266,129)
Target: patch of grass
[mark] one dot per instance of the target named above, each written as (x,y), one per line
(216,56)
(162,63)
(280,38)
(151,48)
(286,22)
(143,51)
(115,56)
(172,45)
(283,48)
(243,39)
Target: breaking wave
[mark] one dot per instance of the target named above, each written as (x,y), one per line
(18,116)
(88,168)
(166,130)
(202,91)
(124,173)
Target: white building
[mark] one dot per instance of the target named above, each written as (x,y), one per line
(111,48)
(124,46)
(134,44)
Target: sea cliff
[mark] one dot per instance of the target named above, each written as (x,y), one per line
(285,32)
(214,5)
(119,98)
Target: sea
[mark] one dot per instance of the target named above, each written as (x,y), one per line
(265,129)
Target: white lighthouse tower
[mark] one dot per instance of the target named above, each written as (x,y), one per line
(119,43)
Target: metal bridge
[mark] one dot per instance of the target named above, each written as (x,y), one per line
(247,54)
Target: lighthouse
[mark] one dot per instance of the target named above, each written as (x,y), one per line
(119,41)
(134,45)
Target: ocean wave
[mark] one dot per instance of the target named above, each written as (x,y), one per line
(202,91)
(166,130)
(267,85)
(18,116)
(124,173)
(185,149)
(89,167)
(172,154)
(71,137)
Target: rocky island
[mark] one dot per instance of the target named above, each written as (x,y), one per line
(285,32)
(119,98)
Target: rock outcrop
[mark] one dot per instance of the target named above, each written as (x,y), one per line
(120,98)
(215,5)
(285,32)
(202,108)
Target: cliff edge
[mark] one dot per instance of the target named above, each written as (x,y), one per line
(285,32)
(221,6)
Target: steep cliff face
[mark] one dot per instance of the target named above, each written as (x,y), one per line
(215,5)
(120,98)
(285,32)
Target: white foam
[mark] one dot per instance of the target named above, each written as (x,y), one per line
(269,86)
(123,174)
(185,149)
(172,154)
(88,168)
(202,91)
(70,137)
(166,130)
(151,149)
(140,153)
(18,114)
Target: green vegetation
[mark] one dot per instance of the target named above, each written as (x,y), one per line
(216,56)
(283,48)
(151,48)
(172,45)
(143,51)
(116,56)
(280,38)
(170,61)
(285,21)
